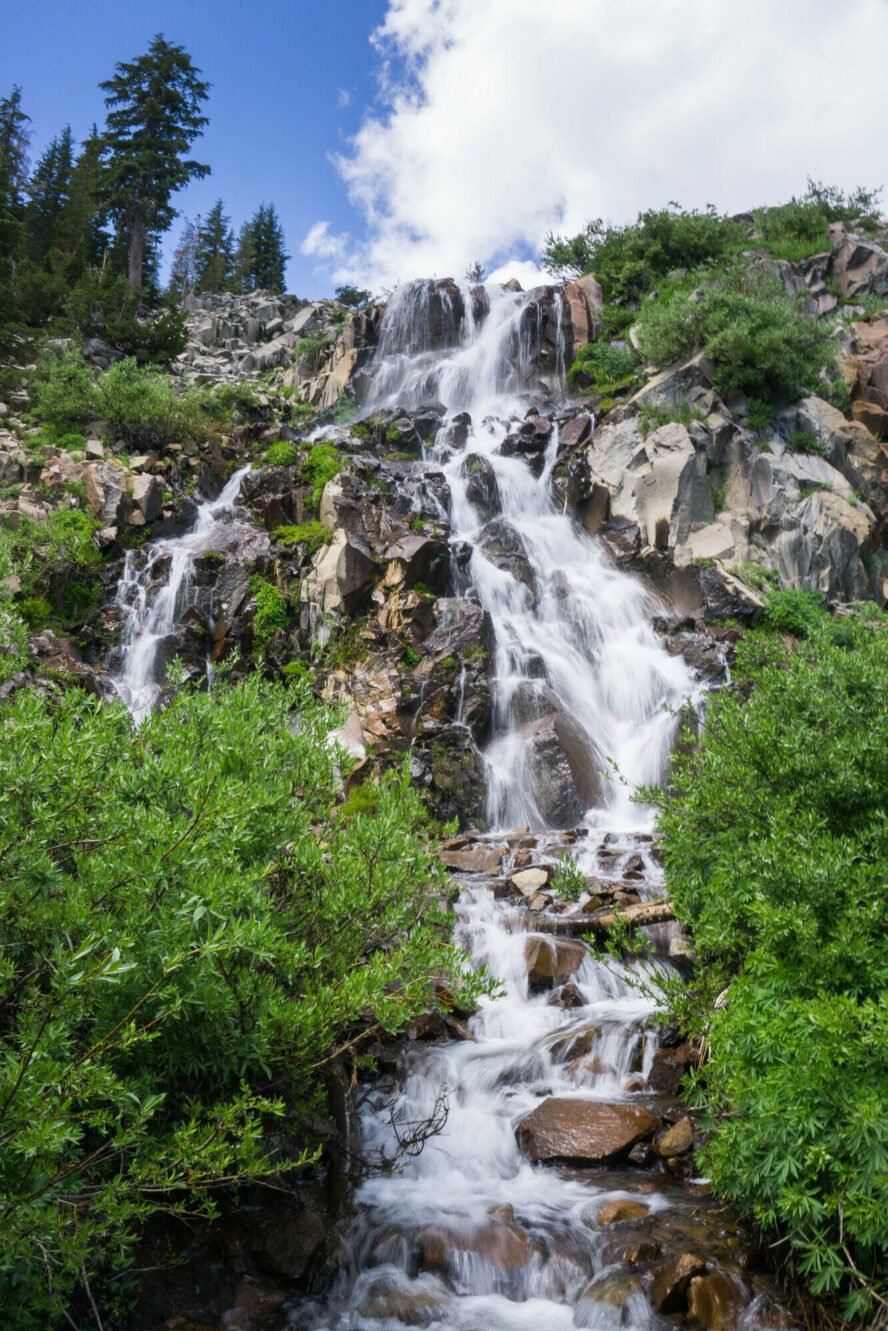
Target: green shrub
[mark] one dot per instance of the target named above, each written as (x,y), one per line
(139,406)
(775,834)
(311,534)
(652,415)
(281,454)
(63,392)
(629,260)
(795,611)
(198,947)
(102,304)
(321,465)
(568,881)
(13,627)
(411,657)
(758,337)
(363,799)
(759,415)
(802,441)
(271,613)
(608,367)
(798,229)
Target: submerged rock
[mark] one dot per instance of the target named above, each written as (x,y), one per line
(590,1131)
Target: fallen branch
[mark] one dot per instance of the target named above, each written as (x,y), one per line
(633,917)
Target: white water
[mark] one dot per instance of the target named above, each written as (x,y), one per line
(577,644)
(150,611)
(468,1234)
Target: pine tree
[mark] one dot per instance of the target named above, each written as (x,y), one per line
(153,119)
(81,233)
(269,256)
(241,280)
(49,192)
(13,178)
(183,270)
(214,257)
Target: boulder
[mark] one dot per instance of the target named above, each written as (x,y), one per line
(677,1140)
(480,858)
(529,881)
(551,961)
(669,1288)
(146,495)
(482,489)
(104,491)
(716,1302)
(563,769)
(585,302)
(343,574)
(612,1213)
(668,1068)
(589,1131)
(614,1299)
(575,431)
(859,266)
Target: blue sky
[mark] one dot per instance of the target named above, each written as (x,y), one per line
(467,129)
(280,71)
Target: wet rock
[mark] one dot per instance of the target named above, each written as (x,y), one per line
(677,1140)
(614,1299)
(576,1043)
(614,1212)
(392,1297)
(668,1068)
(563,770)
(453,772)
(529,881)
(638,1254)
(584,1130)
(502,1246)
(575,431)
(416,558)
(552,960)
(669,1288)
(503,546)
(567,996)
(716,1302)
(482,488)
(474,859)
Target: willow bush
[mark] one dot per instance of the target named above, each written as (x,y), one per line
(775,833)
(189,933)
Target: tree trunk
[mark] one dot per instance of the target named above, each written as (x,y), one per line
(635,917)
(137,250)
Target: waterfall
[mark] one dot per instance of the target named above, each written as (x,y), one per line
(149,607)
(580,676)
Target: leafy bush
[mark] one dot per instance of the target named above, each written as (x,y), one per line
(271,611)
(102,304)
(628,260)
(797,612)
(758,337)
(191,941)
(13,628)
(139,406)
(281,454)
(759,414)
(63,391)
(321,465)
(798,229)
(568,881)
(651,415)
(311,534)
(803,441)
(775,832)
(606,366)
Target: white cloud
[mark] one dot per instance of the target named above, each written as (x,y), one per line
(322,244)
(343,98)
(505,118)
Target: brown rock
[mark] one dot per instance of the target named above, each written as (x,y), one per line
(575,1043)
(677,1140)
(575,432)
(529,881)
(638,1253)
(568,996)
(504,1247)
(586,1130)
(613,1212)
(716,1302)
(668,1068)
(552,960)
(669,1291)
(477,859)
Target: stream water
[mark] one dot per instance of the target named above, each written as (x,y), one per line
(468,1233)
(151,598)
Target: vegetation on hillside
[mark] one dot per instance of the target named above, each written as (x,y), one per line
(775,833)
(686,281)
(191,938)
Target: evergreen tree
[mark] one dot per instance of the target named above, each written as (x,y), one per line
(153,119)
(241,280)
(269,257)
(81,233)
(214,257)
(49,192)
(13,177)
(183,270)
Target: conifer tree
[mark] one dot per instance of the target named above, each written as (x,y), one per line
(154,116)
(183,270)
(269,256)
(13,177)
(214,257)
(49,192)
(241,280)
(81,233)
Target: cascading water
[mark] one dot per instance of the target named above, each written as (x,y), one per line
(150,611)
(468,1234)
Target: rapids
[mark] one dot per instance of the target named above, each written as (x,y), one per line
(466,1233)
